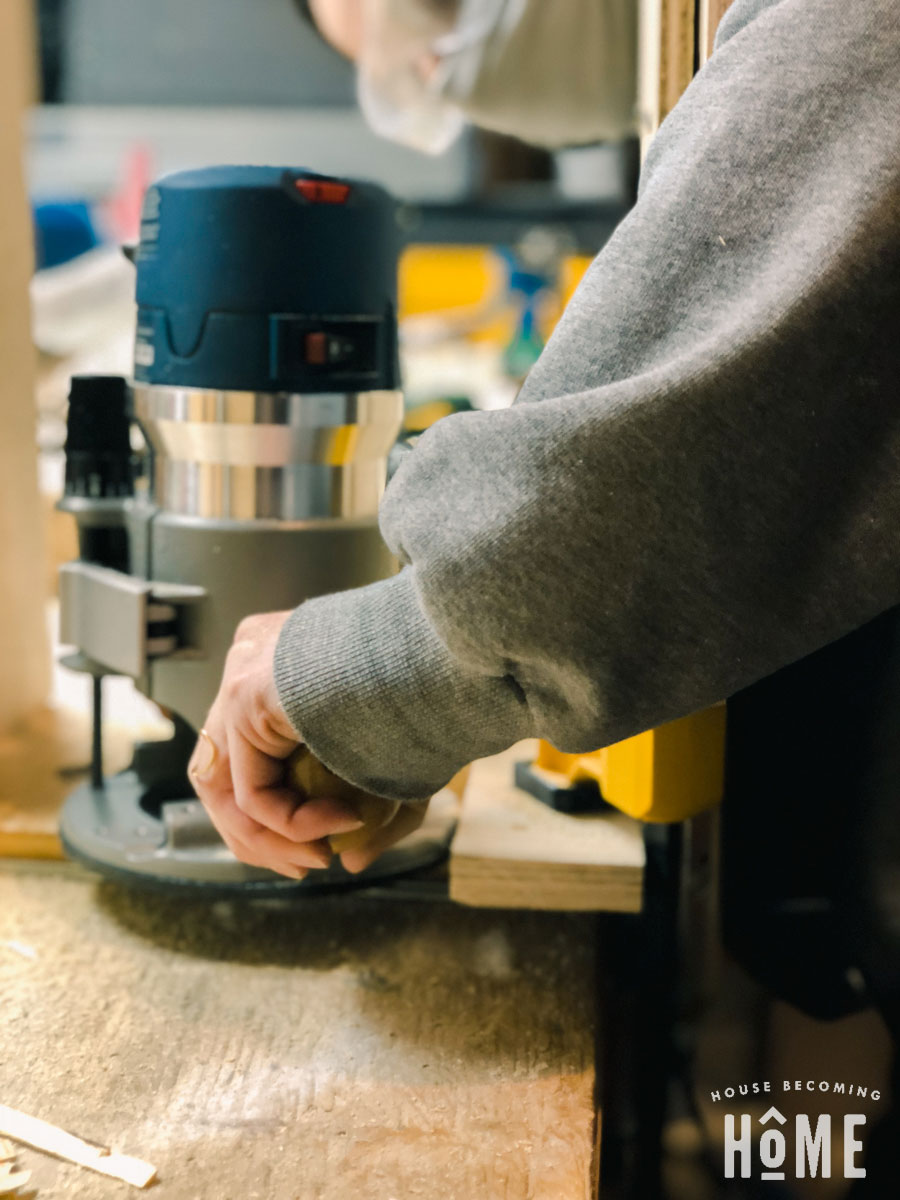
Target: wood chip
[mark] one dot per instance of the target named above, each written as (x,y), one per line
(21,949)
(7,1150)
(40,1135)
(12,1181)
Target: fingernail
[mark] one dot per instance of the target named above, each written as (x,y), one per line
(302,872)
(212,753)
(324,857)
(350,825)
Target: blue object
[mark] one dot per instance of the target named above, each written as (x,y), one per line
(267,279)
(62,231)
(526,290)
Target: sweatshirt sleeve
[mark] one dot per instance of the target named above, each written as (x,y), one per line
(700,481)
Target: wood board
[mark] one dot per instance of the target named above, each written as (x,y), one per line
(334,1048)
(25,675)
(42,759)
(673,37)
(512,851)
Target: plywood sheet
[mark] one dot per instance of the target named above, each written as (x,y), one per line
(512,851)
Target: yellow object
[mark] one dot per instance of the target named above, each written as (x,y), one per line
(571,273)
(666,774)
(457,279)
(343,445)
(423,416)
(312,779)
(435,278)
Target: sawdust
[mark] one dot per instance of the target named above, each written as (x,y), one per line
(313,1051)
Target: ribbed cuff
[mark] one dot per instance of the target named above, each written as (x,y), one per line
(374,692)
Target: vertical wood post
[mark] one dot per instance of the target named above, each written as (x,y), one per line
(24,659)
(710,14)
(666,31)
(674,36)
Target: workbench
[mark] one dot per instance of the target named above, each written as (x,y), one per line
(372,1046)
(310,1051)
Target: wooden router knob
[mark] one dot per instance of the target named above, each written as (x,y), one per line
(313,779)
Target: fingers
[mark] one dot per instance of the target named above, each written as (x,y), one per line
(268,814)
(209,762)
(269,849)
(259,792)
(211,771)
(256,845)
(407,821)
(263,823)
(247,854)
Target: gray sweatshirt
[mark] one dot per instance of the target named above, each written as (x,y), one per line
(700,481)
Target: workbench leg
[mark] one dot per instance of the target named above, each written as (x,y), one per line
(639,964)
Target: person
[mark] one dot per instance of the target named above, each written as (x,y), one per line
(699,482)
(550,75)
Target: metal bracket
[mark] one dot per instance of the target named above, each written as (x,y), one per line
(108,615)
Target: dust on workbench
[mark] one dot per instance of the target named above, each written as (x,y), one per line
(330,1048)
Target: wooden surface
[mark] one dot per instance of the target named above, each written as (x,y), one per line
(512,851)
(339,1048)
(41,761)
(24,678)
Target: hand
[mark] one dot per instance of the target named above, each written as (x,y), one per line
(238,771)
(384,821)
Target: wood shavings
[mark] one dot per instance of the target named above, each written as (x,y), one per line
(21,949)
(12,1181)
(41,1135)
(11,1178)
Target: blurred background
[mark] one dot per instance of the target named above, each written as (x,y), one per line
(127,92)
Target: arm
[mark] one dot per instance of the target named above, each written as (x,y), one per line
(701,479)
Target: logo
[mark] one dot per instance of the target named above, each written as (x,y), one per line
(772,1146)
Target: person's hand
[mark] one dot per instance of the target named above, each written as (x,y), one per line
(384,821)
(238,771)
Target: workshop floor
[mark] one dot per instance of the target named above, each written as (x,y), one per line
(338,1048)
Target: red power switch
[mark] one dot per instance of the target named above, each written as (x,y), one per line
(323,191)
(316,349)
